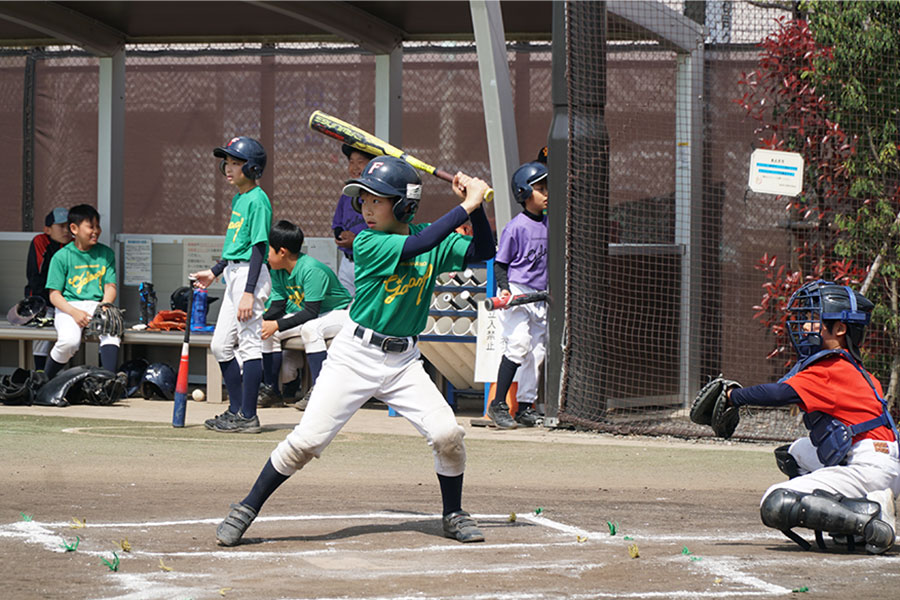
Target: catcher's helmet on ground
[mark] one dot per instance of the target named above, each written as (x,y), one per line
(525,177)
(27,310)
(818,303)
(388,177)
(246,149)
(158,382)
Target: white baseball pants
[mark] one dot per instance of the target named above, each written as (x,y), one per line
(314,332)
(68,332)
(355,371)
(231,333)
(524,330)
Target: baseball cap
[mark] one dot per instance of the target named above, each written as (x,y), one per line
(542,155)
(347,149)
(56,216)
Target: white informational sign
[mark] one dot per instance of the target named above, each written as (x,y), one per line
(324,250)
(200,254)
(488,345)
(138,261)
(776,172)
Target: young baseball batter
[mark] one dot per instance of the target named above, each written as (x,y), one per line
(307,301)
(347,222)
(247,285)
(375,354)
(40,253)
(520,268)
(845,474)
(81,276)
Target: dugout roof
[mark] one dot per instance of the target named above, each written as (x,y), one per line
(101,27)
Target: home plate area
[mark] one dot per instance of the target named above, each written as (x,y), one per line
(401,555)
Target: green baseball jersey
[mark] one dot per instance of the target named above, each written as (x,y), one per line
(81,275)
(251,219)
(393,296)
(309,281)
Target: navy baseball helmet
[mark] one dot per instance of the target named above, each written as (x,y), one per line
(158,382)
(134,374)
(388,177)
(347,149)
(819,302)
(525,177)
(246,149)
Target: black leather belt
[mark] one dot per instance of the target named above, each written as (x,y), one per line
(386,342)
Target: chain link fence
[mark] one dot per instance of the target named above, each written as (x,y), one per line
(183,100)
(664,294)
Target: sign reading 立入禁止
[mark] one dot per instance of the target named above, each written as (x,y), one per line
(776,172)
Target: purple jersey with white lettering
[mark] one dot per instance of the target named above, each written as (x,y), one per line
(347,219)
(523,246)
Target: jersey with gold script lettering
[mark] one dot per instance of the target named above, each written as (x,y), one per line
(82,274)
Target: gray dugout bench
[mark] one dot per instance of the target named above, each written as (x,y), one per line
(164,260)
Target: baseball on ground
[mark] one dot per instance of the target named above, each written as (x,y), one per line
(198,395)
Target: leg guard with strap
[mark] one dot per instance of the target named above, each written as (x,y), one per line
(784,509)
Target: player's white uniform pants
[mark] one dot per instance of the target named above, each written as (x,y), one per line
(231,333)
(68,332)
(346,274)
(870,466)
(524,329)
(42,347)
(357,370)
(314,332)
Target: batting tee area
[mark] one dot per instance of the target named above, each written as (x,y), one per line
(566,515)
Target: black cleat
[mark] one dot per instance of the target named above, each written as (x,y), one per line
(498,412)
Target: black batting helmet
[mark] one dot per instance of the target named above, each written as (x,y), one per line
(388,177)
(247,149)
(525,177)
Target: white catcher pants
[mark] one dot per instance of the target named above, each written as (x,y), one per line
(231,333)
(355,371)
(314,332)
(68,332)
(867,470)
(524,330)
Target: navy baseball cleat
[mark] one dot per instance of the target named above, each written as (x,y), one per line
(462,527)
(231,530)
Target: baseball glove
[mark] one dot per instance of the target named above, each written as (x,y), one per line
(711,396)
(107,320)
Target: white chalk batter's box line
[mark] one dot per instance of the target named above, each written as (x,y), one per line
(730,568)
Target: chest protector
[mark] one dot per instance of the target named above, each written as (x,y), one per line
(832,438)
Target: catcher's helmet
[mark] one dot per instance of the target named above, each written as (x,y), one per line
(388,177)
(525,177)
(27,310)
(179,298)
(158,382)
(246,149)
(819,302)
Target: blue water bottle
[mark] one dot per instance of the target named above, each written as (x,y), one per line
(198,310)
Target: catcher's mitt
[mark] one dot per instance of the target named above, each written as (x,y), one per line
(710,406)
(108,319)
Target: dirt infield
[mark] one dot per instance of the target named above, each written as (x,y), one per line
(363,522)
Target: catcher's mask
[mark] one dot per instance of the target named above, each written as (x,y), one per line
(27,310)
(388,177)
(818,304)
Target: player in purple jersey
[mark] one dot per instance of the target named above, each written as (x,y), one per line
(347,222)
(520,267)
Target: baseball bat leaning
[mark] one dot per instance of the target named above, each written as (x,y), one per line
(181,384)
(363,140)
(497,303)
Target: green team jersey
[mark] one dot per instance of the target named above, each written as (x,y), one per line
(310,281)
(251,219)
(393,296)
(81,275)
